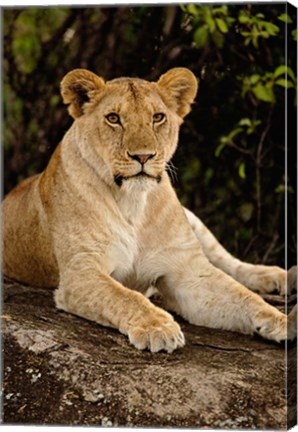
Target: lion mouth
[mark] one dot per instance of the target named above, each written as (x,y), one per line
(118,178)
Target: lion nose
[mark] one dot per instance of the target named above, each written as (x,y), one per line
(142,158)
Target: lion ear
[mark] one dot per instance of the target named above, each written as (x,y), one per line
(182,86)
(78,87)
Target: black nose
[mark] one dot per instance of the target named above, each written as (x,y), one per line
(142,158)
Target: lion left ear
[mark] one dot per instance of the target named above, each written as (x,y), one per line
(182,86)
(78,87)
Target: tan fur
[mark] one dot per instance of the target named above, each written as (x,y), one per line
(102,235)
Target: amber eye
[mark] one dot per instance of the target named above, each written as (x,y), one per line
(158,117)
(113,118)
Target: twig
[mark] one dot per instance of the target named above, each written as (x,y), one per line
(248,247)
(270,248)
(232,144)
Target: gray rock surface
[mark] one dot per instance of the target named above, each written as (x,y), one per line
(60,369)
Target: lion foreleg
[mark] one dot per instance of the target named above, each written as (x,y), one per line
(206,296)
(86,291)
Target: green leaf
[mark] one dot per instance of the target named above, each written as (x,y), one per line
(192,9)
(264,34)
(221,146)
(245,122)
(272,29)
(255,41)
(294,34)
(201,36)
(246,33)
(282,188)
(254,124)
(280,70)
(209,20)
(283,70)
(221,10)
(224,140)
(234,133)
(218,39)
(222,25)
(263,93)
(230,21)
(291,74)
(254,78)
(243,18)
(285,18)
(241,170)
(284,83)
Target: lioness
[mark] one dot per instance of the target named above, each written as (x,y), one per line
(102,223)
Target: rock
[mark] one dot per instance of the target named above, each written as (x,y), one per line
(61,369)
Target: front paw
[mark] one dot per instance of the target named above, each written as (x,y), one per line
(156,332)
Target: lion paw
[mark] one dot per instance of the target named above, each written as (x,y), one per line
(267,279)
(157,334)
(278,328)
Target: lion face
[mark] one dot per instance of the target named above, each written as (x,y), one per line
(127,128)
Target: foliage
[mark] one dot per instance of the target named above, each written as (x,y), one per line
(231,159)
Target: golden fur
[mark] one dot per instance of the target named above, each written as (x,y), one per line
(102,223)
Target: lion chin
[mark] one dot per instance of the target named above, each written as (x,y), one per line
(142,178)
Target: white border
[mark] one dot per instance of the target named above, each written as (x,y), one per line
(11,3)
(20,3)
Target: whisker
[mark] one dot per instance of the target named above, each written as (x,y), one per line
(172,170)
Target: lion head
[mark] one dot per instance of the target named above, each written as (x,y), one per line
(127,128)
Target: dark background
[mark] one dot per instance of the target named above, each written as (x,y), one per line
(230,164)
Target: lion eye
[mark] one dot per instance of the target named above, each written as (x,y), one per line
(113,118)
(158,117)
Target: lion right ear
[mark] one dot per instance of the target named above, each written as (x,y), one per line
(77,88)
